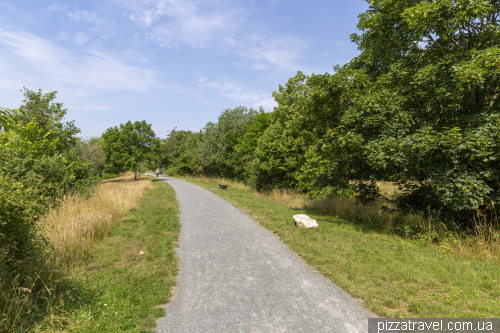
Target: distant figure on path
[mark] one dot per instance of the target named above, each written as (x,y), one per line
(157,172)
(163,172)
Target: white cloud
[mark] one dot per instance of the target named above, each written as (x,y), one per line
(81,38)
(29,60)
(239,94)
(215,23)
(174,22)
(56,7)
(283,53)
(82,15)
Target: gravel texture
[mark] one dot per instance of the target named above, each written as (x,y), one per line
(237,276)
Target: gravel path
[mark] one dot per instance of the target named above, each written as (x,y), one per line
(237,276)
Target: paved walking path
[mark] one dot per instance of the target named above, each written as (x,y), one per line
(237,276)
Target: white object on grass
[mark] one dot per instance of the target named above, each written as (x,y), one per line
(305,221)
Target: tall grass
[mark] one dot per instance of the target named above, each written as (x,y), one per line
(78,222)
(345,208)
(486,234)
(481,241)
(228,182)
(36,292)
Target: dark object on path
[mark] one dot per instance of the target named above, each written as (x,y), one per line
(223,187)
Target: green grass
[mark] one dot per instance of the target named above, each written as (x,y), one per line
(395,277)
(120,290)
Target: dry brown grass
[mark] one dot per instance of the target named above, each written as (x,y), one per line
(77,222)
(486,237)
(387,189)
(482,240)
(337,206)
(287,197)
(228,182)
(345,208)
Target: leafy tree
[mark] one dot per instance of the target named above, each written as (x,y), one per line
(179,153)
(129,146)
(420,105)
(7,118)
(243,154)
(219,139)
(90,150)
(33,174)
(285,149)
(49,115)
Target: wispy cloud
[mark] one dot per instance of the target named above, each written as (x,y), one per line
(57,7)
(215,23)
(80,15)
(281,52)
(81,38)
(177,22)
(239,94)
(39,62)
(78,38)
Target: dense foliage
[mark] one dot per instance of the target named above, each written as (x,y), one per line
(37,166)
(422,109)
(418,107)
(129,146)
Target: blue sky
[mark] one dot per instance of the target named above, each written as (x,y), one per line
(173,63)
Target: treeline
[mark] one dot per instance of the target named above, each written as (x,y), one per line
(418,107)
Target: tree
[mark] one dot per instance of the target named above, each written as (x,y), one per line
(421,104)
(280,150)
(220,138)
(49,115)
(179,152)
(129,146)
(90,150)
(33,175)
(7,118)
(243,154)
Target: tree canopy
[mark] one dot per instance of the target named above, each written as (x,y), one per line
(129,146)
(418,107)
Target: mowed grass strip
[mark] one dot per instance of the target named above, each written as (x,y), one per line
(395,277)
(122,289)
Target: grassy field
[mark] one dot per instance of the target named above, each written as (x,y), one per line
(112,267)
(78,222)
(394,276)
(131,272)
